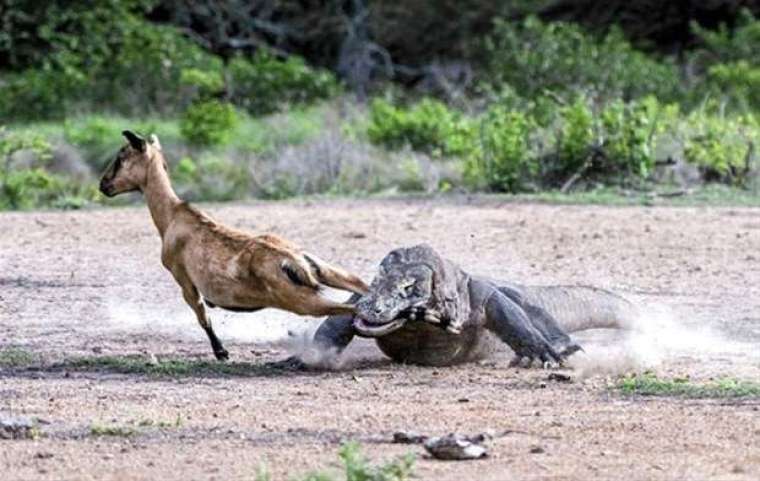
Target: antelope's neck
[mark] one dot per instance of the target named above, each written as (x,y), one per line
(160,196)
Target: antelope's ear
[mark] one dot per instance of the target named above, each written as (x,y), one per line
(135,140)
(154,141)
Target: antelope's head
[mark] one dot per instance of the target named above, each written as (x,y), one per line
(128,171)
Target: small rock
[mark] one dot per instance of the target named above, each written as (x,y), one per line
(408,437)
(456,447)
(537,450)
(42,455)
(559,377)
(17,428)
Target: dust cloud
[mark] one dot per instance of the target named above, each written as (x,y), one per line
(660,335)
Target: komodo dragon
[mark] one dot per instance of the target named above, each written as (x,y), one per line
(423,309)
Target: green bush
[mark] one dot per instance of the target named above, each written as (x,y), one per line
(742,42)
(33,186)
(428,126)
(37,93)
(534,57)
(738,82)
(265,84)
(628,133)
(721,145)
(97,54)
(728,59)
(96,136)
(502,160)
(146,74)
(577,136)
(208,122)
(211,178)
(206,82)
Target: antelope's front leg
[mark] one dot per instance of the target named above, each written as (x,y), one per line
(193,299)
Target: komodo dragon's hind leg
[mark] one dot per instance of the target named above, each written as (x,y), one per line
(529,339)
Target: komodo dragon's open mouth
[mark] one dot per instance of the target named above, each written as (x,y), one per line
(366,328)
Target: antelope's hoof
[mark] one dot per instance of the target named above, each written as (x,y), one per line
(222,355)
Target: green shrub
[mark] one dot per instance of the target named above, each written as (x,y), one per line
(208,122)
(721,145)
(265,84)
(103,53)
(211,178)
(628,133)
(738,82)
(577,136)
(742,42)
(37,93)
(729,59)
(206,82)
(146,74)
(428,126)
(534,57)
(32,186)
(502,161)
(96,136)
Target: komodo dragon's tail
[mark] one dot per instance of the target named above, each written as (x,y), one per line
(577,308)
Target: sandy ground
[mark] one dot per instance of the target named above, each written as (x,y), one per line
(91,284)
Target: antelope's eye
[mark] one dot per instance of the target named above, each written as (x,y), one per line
(409,289)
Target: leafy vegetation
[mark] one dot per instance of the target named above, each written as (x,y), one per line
(166,367)
(648,384)
(266,84)
(208,122)
(16,357)
(532,105)
(356,467)
(534,57)
(112,430)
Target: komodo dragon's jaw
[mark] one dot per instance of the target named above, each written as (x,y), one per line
(393,299)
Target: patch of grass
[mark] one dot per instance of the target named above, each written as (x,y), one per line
(97,429)
(710,195)
(16,357)
(147,423)
(168,368)
(648,384)
(356,467)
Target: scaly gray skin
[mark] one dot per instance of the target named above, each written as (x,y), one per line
(423,309)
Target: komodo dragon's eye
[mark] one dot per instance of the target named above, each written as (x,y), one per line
(409,289)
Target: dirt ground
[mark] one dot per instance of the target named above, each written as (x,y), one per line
(90,283)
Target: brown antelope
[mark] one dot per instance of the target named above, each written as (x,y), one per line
(229,268)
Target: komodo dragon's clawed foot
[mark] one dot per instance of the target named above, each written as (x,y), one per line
(547,360)
(292,363)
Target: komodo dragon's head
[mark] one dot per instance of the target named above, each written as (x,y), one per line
(408,278)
